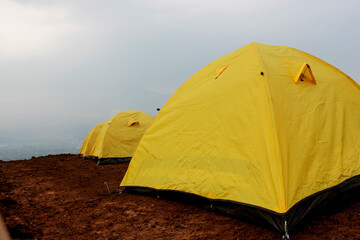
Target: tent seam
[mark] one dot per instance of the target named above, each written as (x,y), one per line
(272,114)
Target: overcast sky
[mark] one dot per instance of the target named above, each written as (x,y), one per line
(67,65)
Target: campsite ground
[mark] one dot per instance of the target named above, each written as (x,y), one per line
(64,197)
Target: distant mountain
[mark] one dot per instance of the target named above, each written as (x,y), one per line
(26,151)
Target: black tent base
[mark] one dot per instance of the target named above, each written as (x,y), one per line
(297,216)
(87,157)
(244,212)
(106,161)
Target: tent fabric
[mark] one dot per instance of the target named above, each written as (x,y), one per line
(120,135)
(264,126)
(90,140)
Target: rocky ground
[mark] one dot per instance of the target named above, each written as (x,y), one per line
(64,197)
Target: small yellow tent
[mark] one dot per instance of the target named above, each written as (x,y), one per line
(119,137)
(90,140)
(266,132)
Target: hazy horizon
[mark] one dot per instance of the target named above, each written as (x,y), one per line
(69,65)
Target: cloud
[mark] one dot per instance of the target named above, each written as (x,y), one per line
(28,30)
(68,65)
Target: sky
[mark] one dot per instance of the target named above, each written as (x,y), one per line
(68,65)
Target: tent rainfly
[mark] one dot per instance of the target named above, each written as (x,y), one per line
(118,138)
(266,133)
(90,140)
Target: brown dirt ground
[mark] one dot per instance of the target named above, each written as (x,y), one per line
(64,197)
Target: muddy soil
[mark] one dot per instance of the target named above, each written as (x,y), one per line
(64,197)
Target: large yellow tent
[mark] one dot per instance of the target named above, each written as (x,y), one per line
(266,132)
(119,137)
(90,140)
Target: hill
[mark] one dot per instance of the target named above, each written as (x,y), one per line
(64,197)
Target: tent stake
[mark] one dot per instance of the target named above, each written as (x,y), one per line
(286,234)
(107,186)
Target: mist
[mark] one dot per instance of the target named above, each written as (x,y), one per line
(66,66)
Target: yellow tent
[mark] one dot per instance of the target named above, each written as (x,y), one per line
(90,140)
(266,132)
(119,137)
